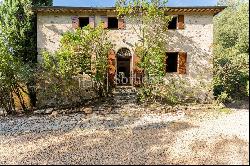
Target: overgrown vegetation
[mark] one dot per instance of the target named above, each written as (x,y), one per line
(152,21)
(82,56)
(231,52)
(37,3)
(14,75)
(17,54)
(17,51)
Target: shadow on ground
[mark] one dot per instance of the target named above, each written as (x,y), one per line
(144,144)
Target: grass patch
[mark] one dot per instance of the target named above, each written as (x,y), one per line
(225,110)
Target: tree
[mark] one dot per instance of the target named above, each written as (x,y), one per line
(86,50)
(17,50)
(150,24)
(15,25)
(14,74)
(38,3)
(231,51)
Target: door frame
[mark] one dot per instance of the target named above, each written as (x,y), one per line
(131,59)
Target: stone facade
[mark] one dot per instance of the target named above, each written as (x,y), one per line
(196,39)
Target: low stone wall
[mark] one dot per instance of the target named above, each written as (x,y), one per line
(58,93)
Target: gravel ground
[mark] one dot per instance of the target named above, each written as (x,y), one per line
(200,137)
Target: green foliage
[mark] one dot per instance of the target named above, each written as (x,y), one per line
(82,52)
(224,97)
(14,75)
(15,26)
(85,51)
(152,21)
(231,50)
(42,3)
(16,51)
(225,110)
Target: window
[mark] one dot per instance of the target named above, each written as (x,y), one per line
(112,23)
(173,23)
(83,21)
(172,62)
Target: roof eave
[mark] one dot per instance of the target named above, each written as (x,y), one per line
(191,9)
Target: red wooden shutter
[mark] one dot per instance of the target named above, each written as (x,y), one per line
(181,24)
(92,21)
(111,66)
(105,21)
(121,23)
(182,63)
(75,22)
(138,72)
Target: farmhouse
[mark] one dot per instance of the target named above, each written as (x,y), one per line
(189,41)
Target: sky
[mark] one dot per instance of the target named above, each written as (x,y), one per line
(109,3)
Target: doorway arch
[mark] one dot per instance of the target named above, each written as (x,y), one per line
(123,67)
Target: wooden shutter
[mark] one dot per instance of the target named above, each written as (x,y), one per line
(121,23)
(138,72)
(182,63)
(111,66)
(181,24)
(92,21)
(75,22)
(104,19)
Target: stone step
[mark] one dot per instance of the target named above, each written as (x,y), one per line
(128,97)
(123,89)
(124,94)
(122,102)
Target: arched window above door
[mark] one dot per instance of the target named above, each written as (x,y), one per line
(124,52)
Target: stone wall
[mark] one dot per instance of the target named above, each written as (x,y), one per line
(196,39)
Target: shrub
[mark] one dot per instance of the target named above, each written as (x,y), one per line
(14,75)
(82,57)
(231,60)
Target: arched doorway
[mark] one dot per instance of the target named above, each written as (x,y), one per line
(123,70)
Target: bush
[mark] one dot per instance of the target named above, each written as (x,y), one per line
(82,57)
(17,55)
(231,60)
(14,76)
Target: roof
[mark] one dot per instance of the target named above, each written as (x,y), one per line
(190,9)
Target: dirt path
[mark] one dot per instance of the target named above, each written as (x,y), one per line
(123,139)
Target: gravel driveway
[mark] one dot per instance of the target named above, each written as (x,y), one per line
(124,139)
